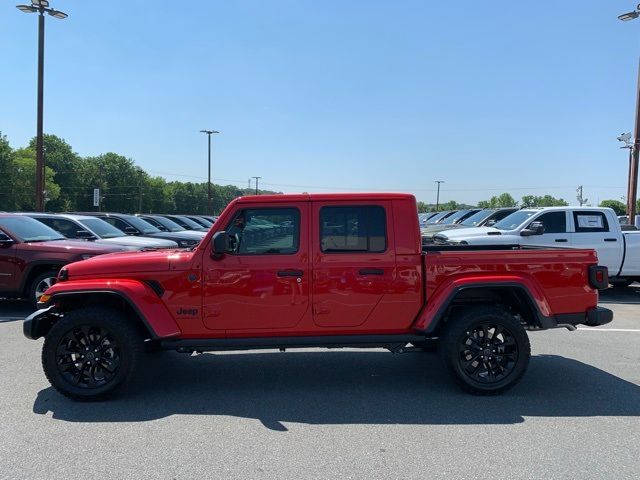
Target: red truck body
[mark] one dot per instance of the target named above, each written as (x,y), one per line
(389,292)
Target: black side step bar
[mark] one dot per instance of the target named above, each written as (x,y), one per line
(338,341)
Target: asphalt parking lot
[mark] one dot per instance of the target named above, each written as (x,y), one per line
(334,414)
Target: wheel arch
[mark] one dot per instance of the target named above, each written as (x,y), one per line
(36,268)
(514,297)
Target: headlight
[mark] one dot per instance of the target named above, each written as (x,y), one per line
(86,256)
(186,243)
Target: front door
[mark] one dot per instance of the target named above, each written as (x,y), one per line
(264,282)
(353,262)
(556,233)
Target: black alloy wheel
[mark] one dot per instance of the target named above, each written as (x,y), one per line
(91,352)
(488,352)
(88,356)
(486,349)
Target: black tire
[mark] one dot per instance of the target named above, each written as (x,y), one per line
(621,282)
(91,352)
(482,361)
(40,284)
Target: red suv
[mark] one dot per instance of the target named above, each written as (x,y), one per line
(32,253)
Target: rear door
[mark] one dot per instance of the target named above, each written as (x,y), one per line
(591,229)
(353,261)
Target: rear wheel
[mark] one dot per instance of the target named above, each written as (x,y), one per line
(486,350)
(91,352)
(621,282)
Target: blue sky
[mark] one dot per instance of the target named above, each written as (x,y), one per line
(339,95)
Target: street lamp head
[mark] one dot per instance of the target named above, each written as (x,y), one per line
(57,14)
(625,137)
(625,17)
(209,132)
(26,8)
(40,3)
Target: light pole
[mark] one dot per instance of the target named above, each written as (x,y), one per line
(257,178)
(209,133)
(40,7)
(632,188)
(438,196)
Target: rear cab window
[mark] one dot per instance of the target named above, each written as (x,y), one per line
(590,221)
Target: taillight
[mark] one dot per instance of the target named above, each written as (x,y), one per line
(598,277)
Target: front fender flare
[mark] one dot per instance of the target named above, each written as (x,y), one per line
(138,295)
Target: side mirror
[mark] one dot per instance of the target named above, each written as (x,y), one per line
(534,228)
(491,223)
(130,231)
(219,245)
(85,235)
(5,240)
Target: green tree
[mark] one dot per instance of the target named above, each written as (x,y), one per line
(69,172)
(545,201)
(23,184)
(422,207)
(6,174)
(450,205)
(617,206)
(502,200)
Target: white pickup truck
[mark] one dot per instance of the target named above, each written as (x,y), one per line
(578,227)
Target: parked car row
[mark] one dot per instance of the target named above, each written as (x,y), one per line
(34,246)
(455,219)
(578,227)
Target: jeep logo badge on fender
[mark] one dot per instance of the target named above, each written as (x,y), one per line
(188,311)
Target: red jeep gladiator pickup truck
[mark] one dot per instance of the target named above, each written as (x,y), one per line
(297,271)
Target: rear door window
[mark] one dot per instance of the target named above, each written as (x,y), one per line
(353,229)
(589,222)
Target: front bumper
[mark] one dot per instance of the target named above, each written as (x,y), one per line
(38,323)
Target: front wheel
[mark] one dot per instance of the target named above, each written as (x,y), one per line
(91,352)
(40,284)
(485,349)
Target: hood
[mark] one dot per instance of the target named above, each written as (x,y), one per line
(463,233)
(74,246)
(140,242)
(130,263)
(430,230)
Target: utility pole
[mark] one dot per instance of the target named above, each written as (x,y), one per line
(40,7)
(257,178)
(438,195)
(635,150)
(209,133)
(579,197)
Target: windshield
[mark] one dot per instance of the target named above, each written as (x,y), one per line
(187,222)
(477,218)
(166,223)
(514,220)
(452,219)
(437,217)
(140,224)
(102,228)
(30,230)
(202,221)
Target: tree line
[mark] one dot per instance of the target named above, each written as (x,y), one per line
(124,186)
(527,201)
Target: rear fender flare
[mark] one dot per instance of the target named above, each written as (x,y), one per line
(138,295)
(434,312)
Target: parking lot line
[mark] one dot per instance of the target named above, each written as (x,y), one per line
(589,329)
